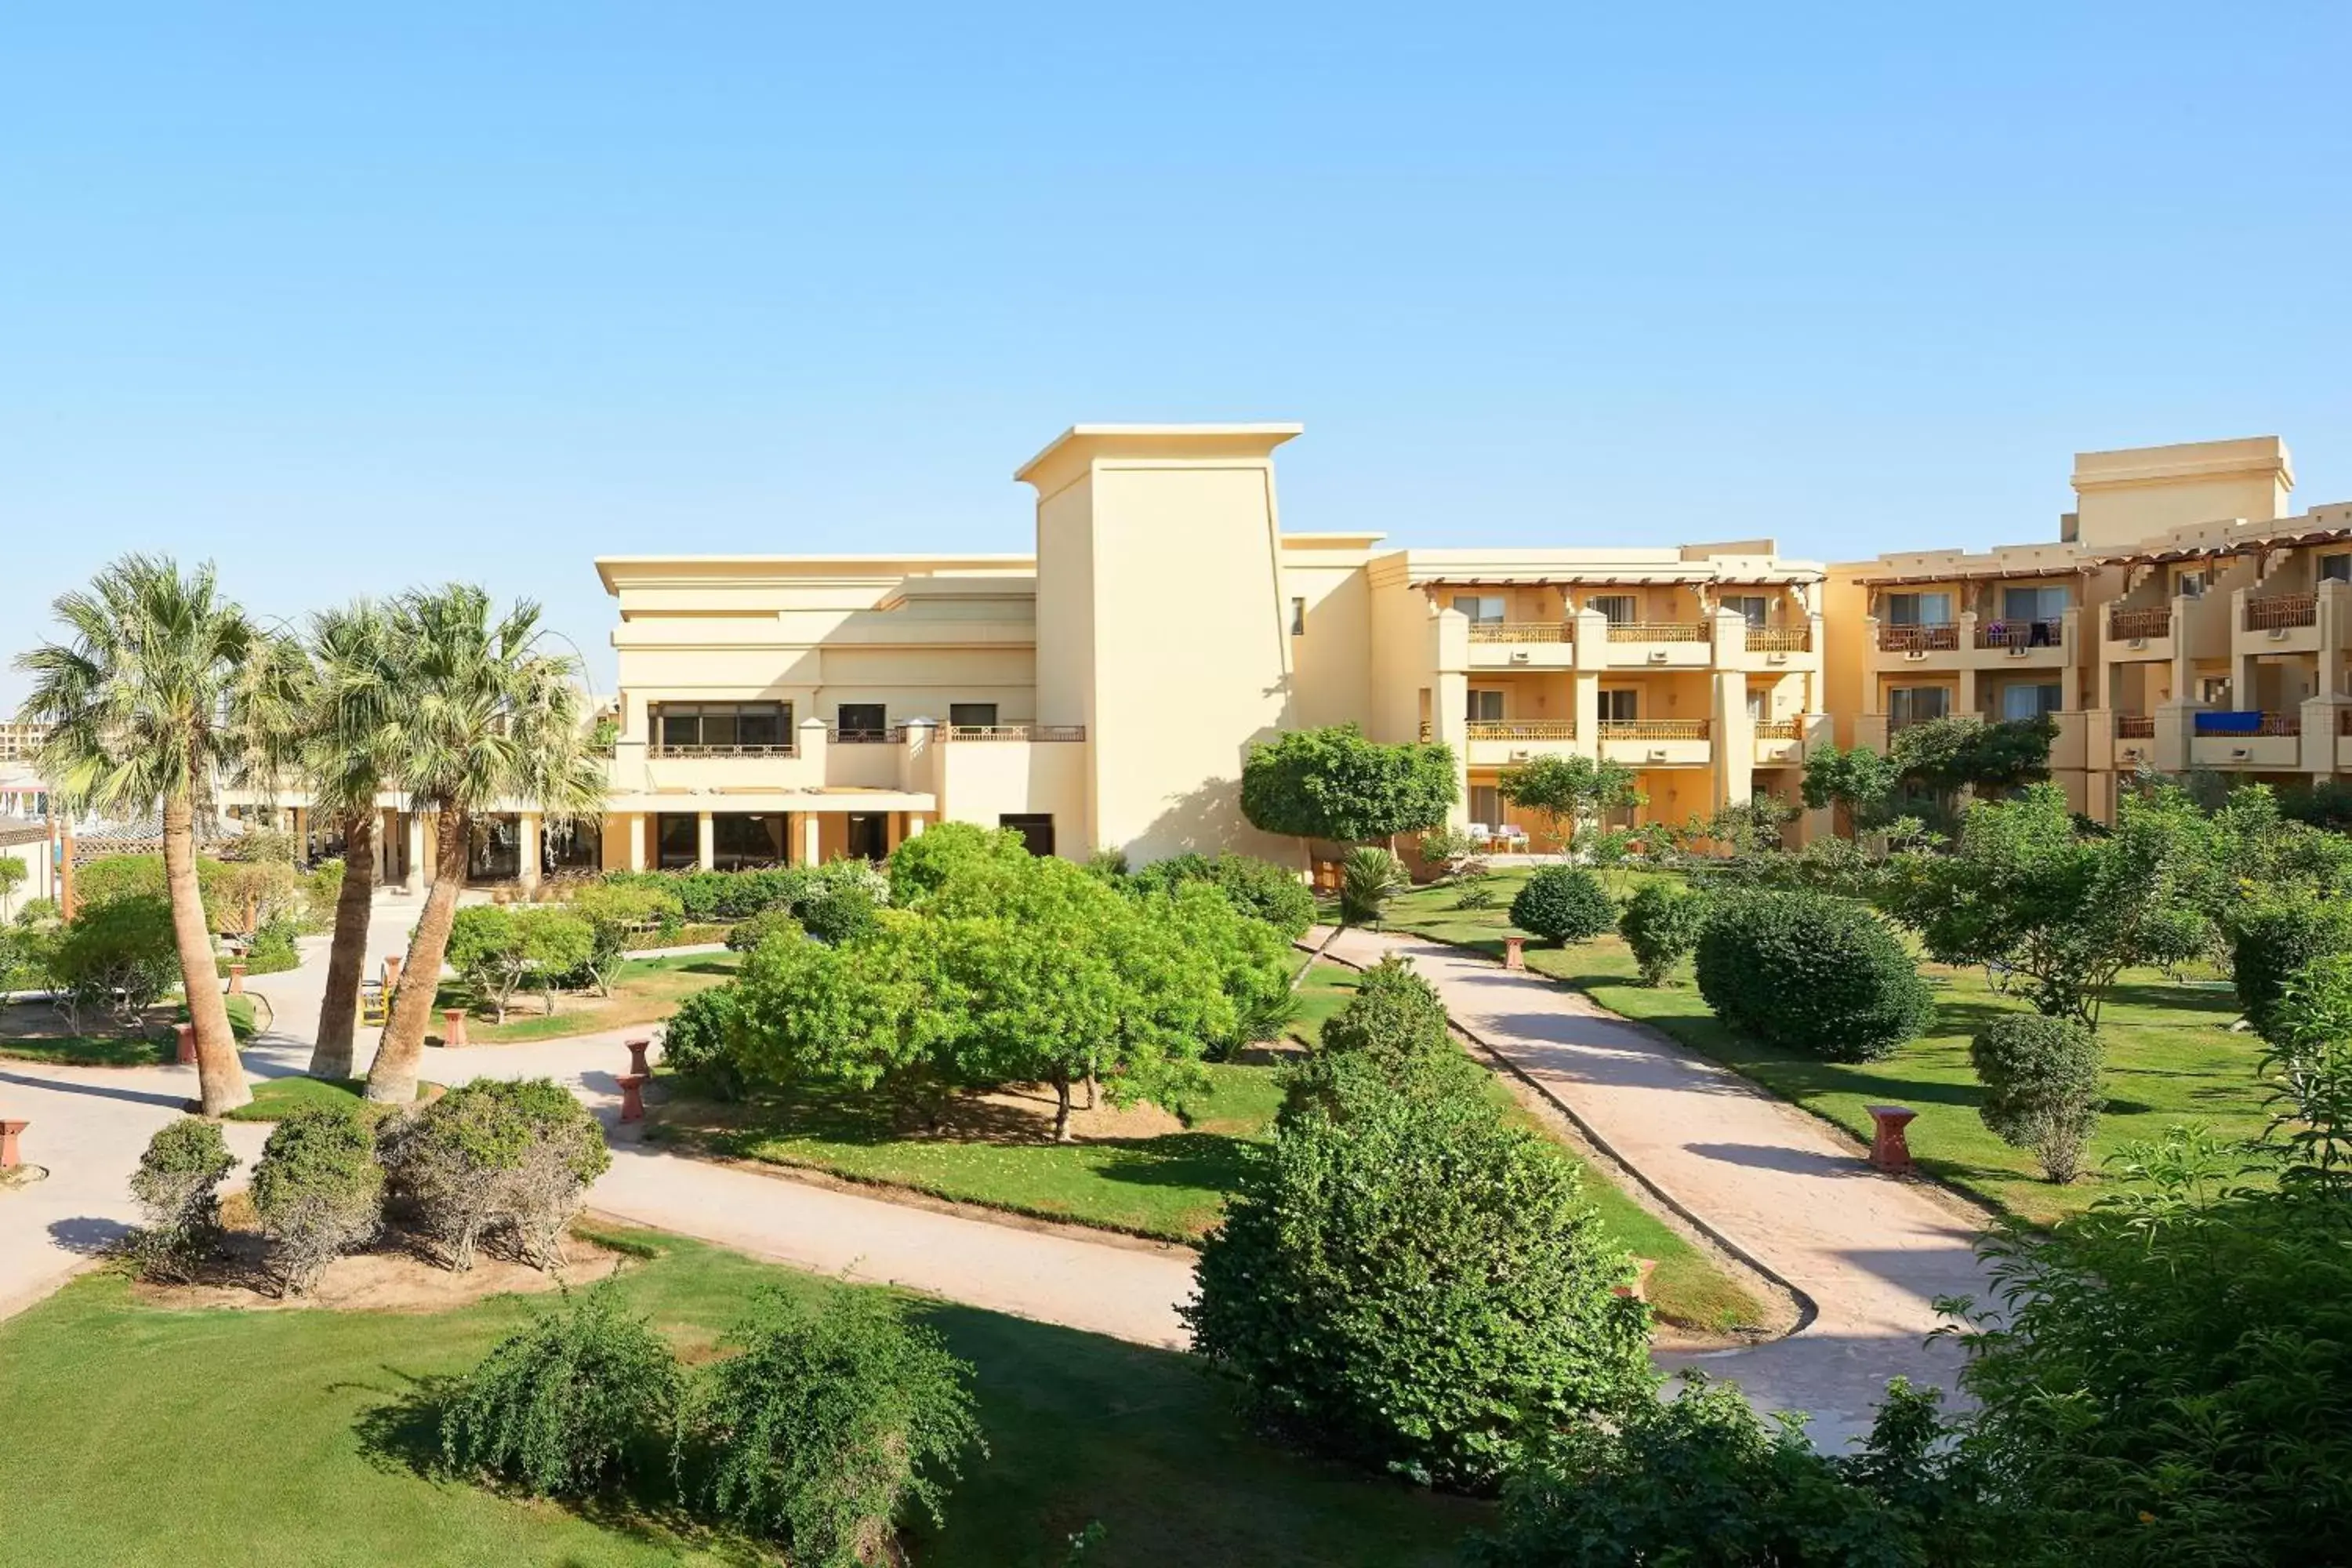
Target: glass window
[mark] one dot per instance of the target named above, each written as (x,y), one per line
(678,841)
(2189,584)
(2026,700)
(1919,609)
(1486,804)
(2335,568)
(1917,704)
(1484,609)
(1485,707)
(1757,708)
(1755,608)
(1622,705)
(741,839)
(678,726)
(722,723)
(863,721)
(972,715)
(1297,617)
(2032,603)
(1622,609)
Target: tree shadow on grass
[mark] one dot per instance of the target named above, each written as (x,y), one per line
(1211,1161)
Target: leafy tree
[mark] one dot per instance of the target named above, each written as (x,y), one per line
(698,1043)
(12,877)
(1662,925)
(1256,888)
(2042,1087)
(614,911)
(1811,973)
(920,865)
(498,951)
(1563,904)
(1572,793)
(1393,1031)
(506,1161)
(177,1189)
(2067,910)
(746,935)
(2272,938)
(1859,780)
(834,1419)
(1248,958)
(1748,827)
(317,1190)
(116,957)
(1369,879)
(490,718)
(1945,756)
(1408,1281)
(1332,783)
(147,706)
(1451,849)
(841,914)
(570,1403)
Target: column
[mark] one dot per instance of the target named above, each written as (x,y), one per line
(415,872)
(705,841)
(527,833)
(1732,740)
(637,825)
(811,852)
(384,822)
(914,824)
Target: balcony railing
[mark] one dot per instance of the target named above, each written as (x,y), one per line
(1013,731)
(2135,726)
(1777,728)
(1778,640)
(1660,631)
(887,735)
(784,748)
(1524,730)
(2021,634)
(1523,631)
(2282,610)
(2225,726)
(1653,728)
(2125,625)
(1941,638)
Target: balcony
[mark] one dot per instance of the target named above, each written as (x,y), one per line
(1500,742)
(1501,644)
(1779,639)
(2021,634)
(886,735)
(1523,632)
(1655,742)
(2135,726)
(1941,638)
(2279,612)
(2247,739)
(2139,626)
(785,749)
(1040,733)
(1660,631)
(2249,723)
(1680,645)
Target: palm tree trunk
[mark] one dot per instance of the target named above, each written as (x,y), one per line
(391,1080)
(346,959)
(220,1076)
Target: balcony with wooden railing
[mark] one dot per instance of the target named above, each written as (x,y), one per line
(781,749)
(1943,637)
(1660,631)
(1524,730)
(2143,624)
(1778,729)
(2277,612)
(2233,726)
(2135,726)
(1779,639)
(1522,632)
(1653,728)
(2021,634)
(961,732)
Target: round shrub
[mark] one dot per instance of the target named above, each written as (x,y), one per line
(697,1043)
(573,1401)
(177,1188)
(495,1161)
(2042,1087)
(317,1190)
(1811,973)
(1394,1029)
(1660,924)
(841,914)
(923,864)
(2270,941)
(1404,1281)
(1563,904)
(834,1419)
(750,932)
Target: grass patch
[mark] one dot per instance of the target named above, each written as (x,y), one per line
(26,1036)
(275,1099)
(2170,1057)
(305,1436)
(1327,988)
(646,991)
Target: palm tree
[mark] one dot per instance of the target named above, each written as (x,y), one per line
(149,706)
(353,698)
(484,719)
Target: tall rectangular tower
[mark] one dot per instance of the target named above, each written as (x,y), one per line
(1160,624)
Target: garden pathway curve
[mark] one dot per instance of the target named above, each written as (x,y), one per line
(1867,1253)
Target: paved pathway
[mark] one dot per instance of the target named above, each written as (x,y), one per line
(1867,1253)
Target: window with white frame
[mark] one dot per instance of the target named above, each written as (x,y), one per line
(1484,609)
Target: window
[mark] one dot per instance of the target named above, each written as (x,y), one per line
(869,835)
(2032,603)
(2189,584)
(1036,830)
(2026,700)
(1757,709)
(678,842)
(1486,804)
(972,715)
(723,724)
(1916,704)
(1755,608)
(1298,617)
(1622,705)
(1919,609)
(741,839)
(2214,691)
(2335,568)
(1485,707)
(1620,609)
(861,722)
(1484,609)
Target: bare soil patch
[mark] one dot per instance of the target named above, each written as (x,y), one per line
(399,1274)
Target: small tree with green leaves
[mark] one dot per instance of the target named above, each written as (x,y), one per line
(2042,1087)
(317,1190)
(1336,786)
(177,1188)
(1859,782)
(1563,904)
(1571,794)
(13,875)
(1662,924)
(615,910)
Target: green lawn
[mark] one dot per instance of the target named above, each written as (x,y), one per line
(154,1047)
(646,991)
(2170,1054)
(274,1098)
(140,1436)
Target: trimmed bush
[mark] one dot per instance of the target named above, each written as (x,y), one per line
(572,1402)
(1662,924)
(841,914)
(835,1417)
(1408,1282)
(177,1188)
(1563,904)
(697,1043)
(272,950)
(2042,1087)
(317,1190)
(116,958)
(2270,940)
(1392,1030)
(750,932)
(1810,972)
(494,1161)
(712,897)
(1258,889)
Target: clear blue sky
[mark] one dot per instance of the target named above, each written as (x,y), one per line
(348,301)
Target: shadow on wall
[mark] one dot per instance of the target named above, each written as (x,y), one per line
(1207,819)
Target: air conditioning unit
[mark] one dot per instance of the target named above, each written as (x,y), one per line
(1657,753)
(1518,656)
(1520,756)
(2138,642)
(2239,753)
(2018,650)
(1657,656)
(1776,659)
(2133,753)
(2278,634)
(1915,655)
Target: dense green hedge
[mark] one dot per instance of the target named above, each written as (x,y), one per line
(1662,924)
(2270,940)
(1807,972)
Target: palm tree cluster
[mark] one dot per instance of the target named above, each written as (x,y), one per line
(163,691)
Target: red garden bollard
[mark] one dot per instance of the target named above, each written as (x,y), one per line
(453,1026)
(9,1156)
(187,1044)
(632,1098)
(237,979)
(1515,952)
(637,1068)
(1890,1150)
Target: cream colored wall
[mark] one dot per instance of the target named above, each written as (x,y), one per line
(2124,496)
(1404,640)
(978,781)
(1331,663)
(39,881)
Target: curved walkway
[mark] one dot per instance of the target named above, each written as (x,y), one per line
(1867,1253)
